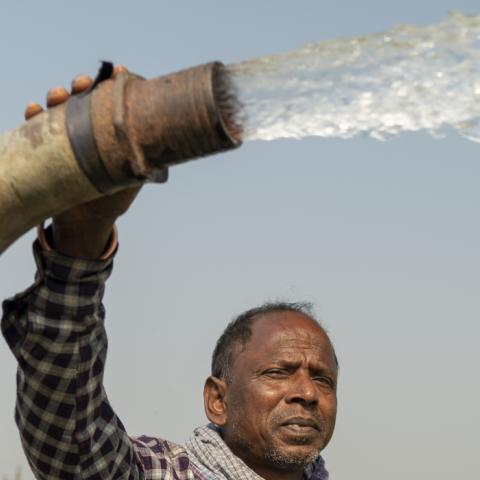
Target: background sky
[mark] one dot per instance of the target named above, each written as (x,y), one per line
(383,237)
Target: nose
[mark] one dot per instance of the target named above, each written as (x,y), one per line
(302,389)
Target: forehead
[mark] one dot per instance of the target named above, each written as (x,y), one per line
(287,335)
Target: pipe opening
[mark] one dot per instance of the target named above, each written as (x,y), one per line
(226,100)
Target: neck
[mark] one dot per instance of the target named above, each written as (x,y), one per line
(265,470)
(269,473)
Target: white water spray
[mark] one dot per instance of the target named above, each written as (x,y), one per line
(406,79)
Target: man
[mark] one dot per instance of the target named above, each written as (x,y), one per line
(271,398)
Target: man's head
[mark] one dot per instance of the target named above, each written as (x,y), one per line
(273,387)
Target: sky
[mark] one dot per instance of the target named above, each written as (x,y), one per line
(383,238)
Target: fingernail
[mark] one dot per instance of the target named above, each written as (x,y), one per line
(56,95)
(32,110)
(80,83)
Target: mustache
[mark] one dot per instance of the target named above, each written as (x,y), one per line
(312,419)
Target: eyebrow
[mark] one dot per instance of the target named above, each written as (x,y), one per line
(320,367)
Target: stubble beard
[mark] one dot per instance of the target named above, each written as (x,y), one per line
(283,458)
(275,455)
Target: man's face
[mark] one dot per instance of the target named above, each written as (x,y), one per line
(281,400)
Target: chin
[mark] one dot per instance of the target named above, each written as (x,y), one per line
(291,457)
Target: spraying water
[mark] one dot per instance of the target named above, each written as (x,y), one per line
(406,79)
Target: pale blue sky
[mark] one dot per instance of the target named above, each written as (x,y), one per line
(383,237)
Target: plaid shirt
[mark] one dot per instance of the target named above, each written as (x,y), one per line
(68,429)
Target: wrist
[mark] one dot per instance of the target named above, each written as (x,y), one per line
(84,242)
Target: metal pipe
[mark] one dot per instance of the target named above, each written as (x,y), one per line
(125,131)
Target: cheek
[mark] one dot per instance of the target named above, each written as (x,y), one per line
(243,423)
(265,398)
(329,410)
(253,404)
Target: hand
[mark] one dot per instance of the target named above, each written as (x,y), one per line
(83,231)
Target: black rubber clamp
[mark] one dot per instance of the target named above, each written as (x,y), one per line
(80,134)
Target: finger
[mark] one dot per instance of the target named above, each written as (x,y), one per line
(81,83)
(32,110)
(117,69)
(57,95)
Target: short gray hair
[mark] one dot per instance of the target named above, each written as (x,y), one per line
(239,331)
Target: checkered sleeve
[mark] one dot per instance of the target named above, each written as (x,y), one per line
(56,331)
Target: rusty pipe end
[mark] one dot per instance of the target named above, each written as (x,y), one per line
(129,129)
(185,115)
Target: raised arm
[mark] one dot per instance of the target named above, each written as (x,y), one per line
(56,331)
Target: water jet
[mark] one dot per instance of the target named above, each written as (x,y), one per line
(129,130)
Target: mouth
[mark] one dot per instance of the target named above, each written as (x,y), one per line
(302,425)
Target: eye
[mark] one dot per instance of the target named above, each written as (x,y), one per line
(276,373)
(322,380)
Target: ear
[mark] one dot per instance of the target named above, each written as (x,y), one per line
(214,399)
